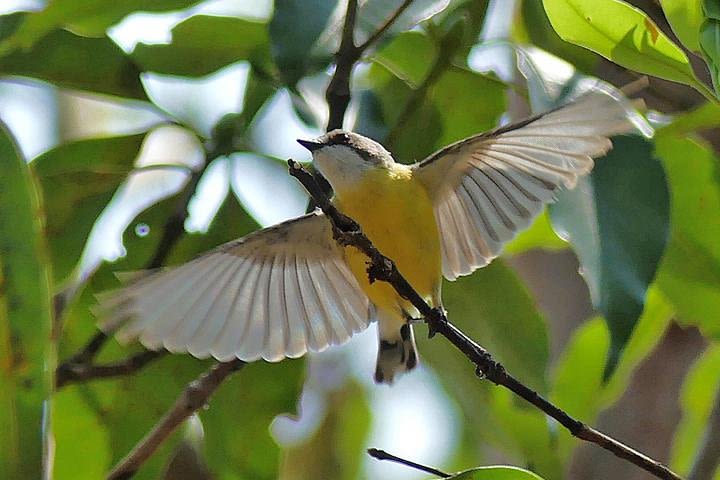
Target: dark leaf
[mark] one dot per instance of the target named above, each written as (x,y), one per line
(203,44)
(617,221)
(292,40)
(70,61)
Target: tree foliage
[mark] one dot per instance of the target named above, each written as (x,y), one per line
(644,225)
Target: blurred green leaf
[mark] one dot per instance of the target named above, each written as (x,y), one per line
(77,181)
(86,17)
(489,305)
(82,439)
(493,307)
(27,349)
(335,449)
(292,41)
(690,273)
(710,42)
(539,235)
(618,258)
(540,31)
(697,398)
(704,117)
(9,25)
(496,473)
(623,34)
(70,61)
(203,44)
(237,422)
(578,378)
(648,332)
(409,57)
(458,104)
(685,17)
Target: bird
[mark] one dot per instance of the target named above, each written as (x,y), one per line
(290,288)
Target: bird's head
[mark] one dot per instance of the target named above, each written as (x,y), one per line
(342,157)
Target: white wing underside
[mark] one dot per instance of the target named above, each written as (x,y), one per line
(276,293)
(487,188)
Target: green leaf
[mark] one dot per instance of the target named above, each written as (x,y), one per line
(704,117)
(203,44)
(697,397)
(578,378)
(685,18)
(648,332)
(292,41)
(540,31)
(78,180)
(238,439)
(623,34)
(619,258)
(82,440)
(690,273)
(493,302)
(70,61)
(27,349)
(493,307)
(710,46)
(335,449)
(86,17)
(496,473)
(539,235)
(409,57)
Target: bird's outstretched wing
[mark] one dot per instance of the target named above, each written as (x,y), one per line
(275,293)
(488,187)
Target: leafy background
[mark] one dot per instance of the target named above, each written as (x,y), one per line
(115,113)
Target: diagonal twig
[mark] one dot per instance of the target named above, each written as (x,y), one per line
(192,399)
(383,455)
(348,233)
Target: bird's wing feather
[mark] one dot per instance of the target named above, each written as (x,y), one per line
(276,293)
(488,187)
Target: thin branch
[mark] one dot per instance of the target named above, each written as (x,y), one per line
(348,233)
(383,455)
(385,26)
(337,94)
(708,458)
(77,372)
(192,399)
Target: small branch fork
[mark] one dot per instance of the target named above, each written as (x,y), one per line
(348,233)
(348,54)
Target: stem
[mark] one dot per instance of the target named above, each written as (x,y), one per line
(383,455)
(192,399)
(348,233)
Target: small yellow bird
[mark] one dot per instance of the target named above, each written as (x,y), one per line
(287,289)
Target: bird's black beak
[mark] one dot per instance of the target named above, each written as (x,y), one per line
(311,145)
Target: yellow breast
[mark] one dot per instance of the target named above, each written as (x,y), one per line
(395,212)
